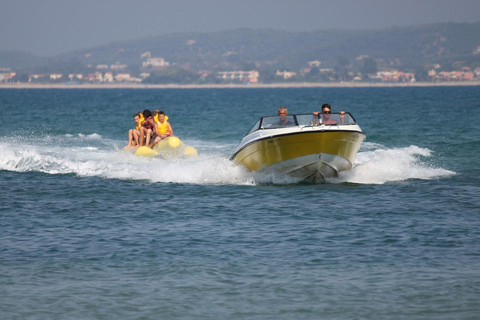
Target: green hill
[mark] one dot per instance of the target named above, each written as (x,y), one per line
(404,48)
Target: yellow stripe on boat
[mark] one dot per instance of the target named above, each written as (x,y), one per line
(264,153)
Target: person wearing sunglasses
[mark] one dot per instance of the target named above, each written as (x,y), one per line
(325,115)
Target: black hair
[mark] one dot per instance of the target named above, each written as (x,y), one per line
(161,112)
(147,113)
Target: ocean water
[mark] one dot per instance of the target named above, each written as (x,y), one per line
(88,231)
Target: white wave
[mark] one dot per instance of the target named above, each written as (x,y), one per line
(207,168)
(375,164)
(207,145)
(382,165)
(367,146)
(93,136)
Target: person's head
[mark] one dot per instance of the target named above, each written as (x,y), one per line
(282,111)
(147,113)
(326,108)
(154,113)
(136,117)
(161,116)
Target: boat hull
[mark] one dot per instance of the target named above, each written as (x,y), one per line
(310,156)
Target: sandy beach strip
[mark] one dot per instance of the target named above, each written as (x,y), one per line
(233,86)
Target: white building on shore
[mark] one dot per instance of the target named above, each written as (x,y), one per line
(155,62)
(250,76)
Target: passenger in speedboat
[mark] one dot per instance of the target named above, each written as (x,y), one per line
(134,134)
(149,127)
(283,113)
(164,128)
(325,115)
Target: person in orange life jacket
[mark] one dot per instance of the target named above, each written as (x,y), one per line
(134,134)
(164,129)
(148,129)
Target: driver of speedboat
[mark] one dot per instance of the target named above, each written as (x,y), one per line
(325,115)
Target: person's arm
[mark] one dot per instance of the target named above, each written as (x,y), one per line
(155,127)
(170,128)
(342,116)
(315,118)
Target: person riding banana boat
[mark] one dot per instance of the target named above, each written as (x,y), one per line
(153,137)
(149,128)
(164,129)
(134,134)
(144,132)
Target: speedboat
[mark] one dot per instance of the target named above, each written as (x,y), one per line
(305,146)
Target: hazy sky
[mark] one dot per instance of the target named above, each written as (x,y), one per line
(50,27)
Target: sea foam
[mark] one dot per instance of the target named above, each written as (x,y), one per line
(378,165)
(375,164)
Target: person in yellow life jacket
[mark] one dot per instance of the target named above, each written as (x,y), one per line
(142,118)
(155,116)
(134,134)
(164,129)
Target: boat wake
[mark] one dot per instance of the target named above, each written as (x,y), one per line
(376,164)
(94,156)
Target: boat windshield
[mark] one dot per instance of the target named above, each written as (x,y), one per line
(278,122)
(331,119)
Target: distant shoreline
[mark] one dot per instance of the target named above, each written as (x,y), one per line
(233,86)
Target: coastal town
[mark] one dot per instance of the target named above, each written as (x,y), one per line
(244,58)
(124,74)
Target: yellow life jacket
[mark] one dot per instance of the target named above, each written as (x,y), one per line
(142,120)
(162,127)
(159,125)
(156,118)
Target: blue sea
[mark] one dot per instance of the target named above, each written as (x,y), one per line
(88,231)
